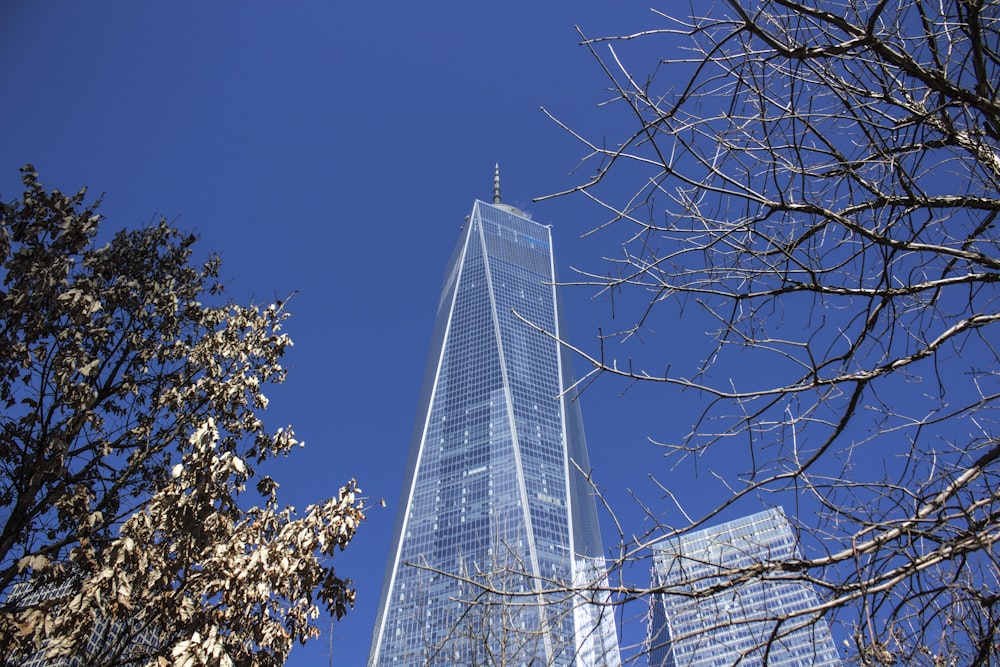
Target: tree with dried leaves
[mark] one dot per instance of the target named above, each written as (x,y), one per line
(130,429)
(816,186)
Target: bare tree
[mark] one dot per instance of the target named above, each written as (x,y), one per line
(130,428)
(816,184)
(500,621)
(503,615)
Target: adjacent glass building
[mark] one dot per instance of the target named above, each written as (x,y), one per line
(127,643)
(738,625)
(494,511)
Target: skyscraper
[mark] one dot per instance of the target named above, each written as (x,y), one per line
(494,507)
(128,643)
(737,625)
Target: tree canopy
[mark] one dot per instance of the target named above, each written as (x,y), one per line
(132,398)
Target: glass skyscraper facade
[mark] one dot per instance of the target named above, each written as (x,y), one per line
(494,511)
(737,625)
(124,643)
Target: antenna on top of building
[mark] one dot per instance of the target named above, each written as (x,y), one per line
(496,184)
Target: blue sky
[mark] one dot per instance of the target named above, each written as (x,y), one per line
(333,149)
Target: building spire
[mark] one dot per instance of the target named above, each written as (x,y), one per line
(496,184)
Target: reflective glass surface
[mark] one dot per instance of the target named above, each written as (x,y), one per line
(738,624)
(495,509)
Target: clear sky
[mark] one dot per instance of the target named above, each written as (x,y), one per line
(333,149)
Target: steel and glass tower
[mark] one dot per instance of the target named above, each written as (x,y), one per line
(494,509)
(763,621)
